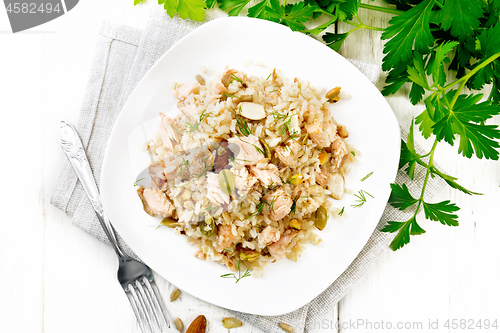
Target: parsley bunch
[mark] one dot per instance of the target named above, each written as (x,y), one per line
(427,41)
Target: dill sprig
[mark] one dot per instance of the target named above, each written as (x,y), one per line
(361,198)
(235,78)
(243,127)
(229,95)
(184,164)
(293,209)
(233,275)
(286,120)
(207,167)
(138,180)
(366,177)
(259,207)
(192,127)
(341,212)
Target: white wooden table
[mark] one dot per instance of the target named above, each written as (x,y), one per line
(55,277)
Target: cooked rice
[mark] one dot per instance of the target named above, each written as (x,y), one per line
(184,154)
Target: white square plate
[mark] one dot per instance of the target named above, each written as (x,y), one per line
(245,43)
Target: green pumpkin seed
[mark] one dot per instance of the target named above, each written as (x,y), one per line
(267,150)
(170,222)
(209,222)
(321,218)
(226,181)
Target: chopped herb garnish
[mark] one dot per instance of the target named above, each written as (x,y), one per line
(259,207)
(230,95)
(138,180)
(366,177)
(293,208)
(243,127)
(233,275)
(341,212)
(235,78)
(286,120)
(361,198)
(227,250)
(192,127)
(208,167)
(269,76)
(353,153)
(184,164)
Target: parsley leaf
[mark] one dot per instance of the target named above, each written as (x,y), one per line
(408,154)
(210,3)
(400,197)
(136,2)
(466,120)
(435,66)
(442,212)
(406,229)
(292,17)
(234,6)
(462,16)
(334,41)
(488,44)
(407,30)
(193,9)
(260,10)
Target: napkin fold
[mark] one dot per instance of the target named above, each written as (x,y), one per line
(123,55)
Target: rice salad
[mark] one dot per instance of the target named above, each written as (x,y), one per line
(250,168)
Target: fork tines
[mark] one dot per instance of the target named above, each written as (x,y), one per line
(148,308)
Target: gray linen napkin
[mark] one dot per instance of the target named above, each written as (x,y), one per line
(123,56)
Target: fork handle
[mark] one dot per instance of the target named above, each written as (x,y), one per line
(73,148)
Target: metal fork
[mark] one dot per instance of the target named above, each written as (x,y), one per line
(135,278)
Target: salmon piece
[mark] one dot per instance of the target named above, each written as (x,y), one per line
(322,177)
(250,150)
(157,175)
(225,237)
(169,136)
(278,249)
(267,175)
(196,160)
(243,181)
(288,154)
(268,235)
(218,88)
(280,204)
(339,151)
(182,91)
(330,129)
(156,202)
(173,164)
(318,136)
(214,192)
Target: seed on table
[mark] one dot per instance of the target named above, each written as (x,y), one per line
(230,322)
(179,324)
(175,294)
(286,327)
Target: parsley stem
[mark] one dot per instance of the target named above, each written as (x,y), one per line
(428,172)
(474,71)
(364,26)
(380,9)
(439,5)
